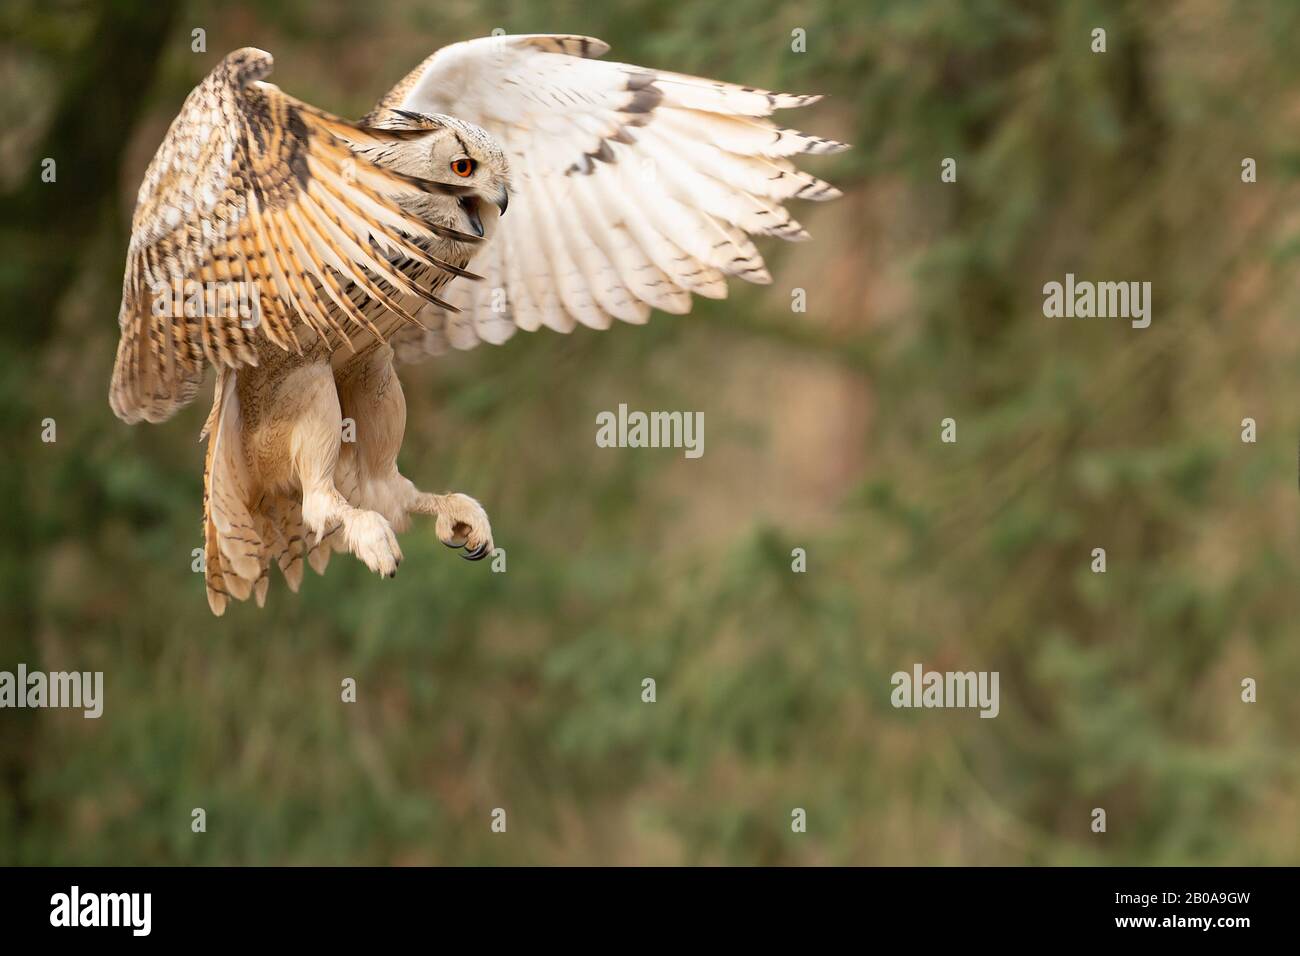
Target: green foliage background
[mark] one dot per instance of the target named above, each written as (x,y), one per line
(522,690)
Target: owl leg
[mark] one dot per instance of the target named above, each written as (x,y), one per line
(314,450)
(371,395)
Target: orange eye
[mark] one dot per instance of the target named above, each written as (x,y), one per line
(462,167)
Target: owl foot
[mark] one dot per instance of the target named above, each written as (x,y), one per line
(461,523)
(371,539)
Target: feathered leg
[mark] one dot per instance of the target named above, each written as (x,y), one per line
(314,455)
(371,395)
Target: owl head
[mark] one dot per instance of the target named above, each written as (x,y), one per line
(456,153)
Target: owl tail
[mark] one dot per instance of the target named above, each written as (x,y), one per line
(243,537)
(232,545)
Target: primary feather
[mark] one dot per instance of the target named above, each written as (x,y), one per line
(251,185)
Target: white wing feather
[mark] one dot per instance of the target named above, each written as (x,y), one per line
(633,188)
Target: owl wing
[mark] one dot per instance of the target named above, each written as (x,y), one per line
(632,188)
(256,199)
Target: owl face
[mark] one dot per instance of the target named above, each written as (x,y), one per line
(463,154)
(459,154)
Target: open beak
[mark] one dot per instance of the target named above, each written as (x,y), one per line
(469,205)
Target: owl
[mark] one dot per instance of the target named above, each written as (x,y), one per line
(305,257)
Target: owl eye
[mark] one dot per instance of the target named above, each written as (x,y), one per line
(462,166)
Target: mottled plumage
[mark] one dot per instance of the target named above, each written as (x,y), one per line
(629,189)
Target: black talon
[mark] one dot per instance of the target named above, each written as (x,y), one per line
(478,554)
(454,547)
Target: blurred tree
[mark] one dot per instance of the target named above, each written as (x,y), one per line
(46,229)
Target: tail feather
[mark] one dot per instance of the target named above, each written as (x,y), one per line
(231,539)
(213,565)
(291,548)
(243,538)
(322,546)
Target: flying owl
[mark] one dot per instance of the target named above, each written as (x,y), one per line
(305,256)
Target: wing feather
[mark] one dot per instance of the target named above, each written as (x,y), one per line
(252,185)
(635,188)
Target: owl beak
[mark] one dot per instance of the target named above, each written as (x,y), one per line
(469,206)
(503,200)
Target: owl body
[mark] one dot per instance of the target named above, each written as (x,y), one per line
(337,402)
(629,190)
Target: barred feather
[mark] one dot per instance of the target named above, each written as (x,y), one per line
(252,185)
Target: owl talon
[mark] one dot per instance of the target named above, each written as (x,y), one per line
(478,554)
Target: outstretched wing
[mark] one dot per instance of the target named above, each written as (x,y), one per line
(254,200)
(633,188)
